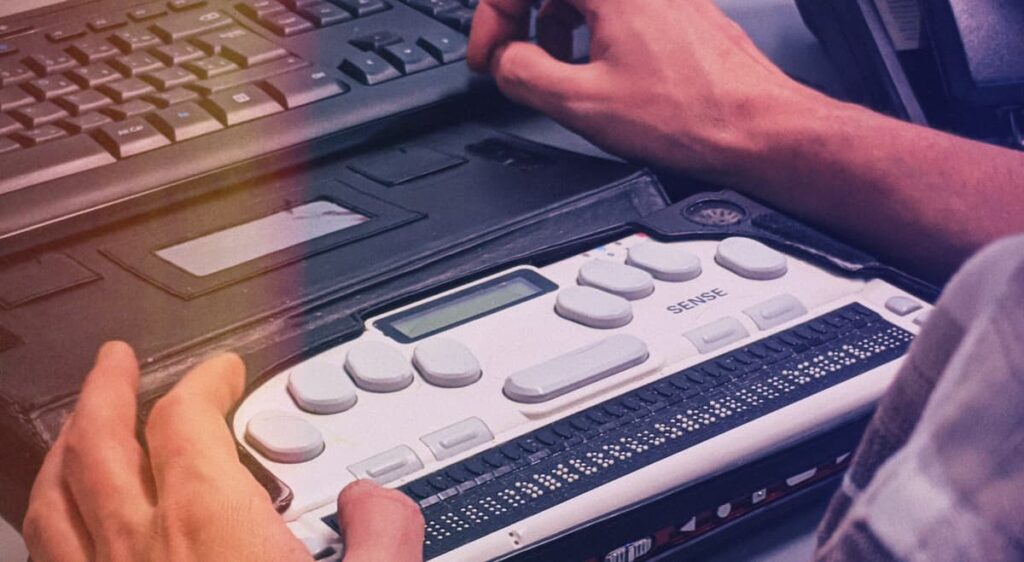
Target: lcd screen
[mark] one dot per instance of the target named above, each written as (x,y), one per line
(234,246)
(473,303)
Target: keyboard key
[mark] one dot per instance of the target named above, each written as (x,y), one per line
(39,135)
(84,123)
(14,73)
(104,23)
(7,29)
(185,121)
(50,161)
(241,104)
(241,46)
(284,438)
(133,39)
(7,145)
(361,8)
(375,41)
(135,64)
(147,12)
(257,9)
(408,58)
(211,66)
(64,32)
(182,26)
(130,137)
(14,97)
(303,87)
(255,74)
(127,89)
(323,14)
(94,75)
(445,47)
(32,116)
(84,102)
(7,49)
(171,97)
(370,69)
(50,61)
(286,23)
(133,108)
(178,53)
(92,49)
(168,78)
(460,19)
(182,5)
(8,124)
(434,7)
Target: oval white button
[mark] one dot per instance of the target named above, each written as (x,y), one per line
(616,278)
(319,387)
(446,362)
(282,437)
(751,259)
(378,367)
(667,262)
(593,308)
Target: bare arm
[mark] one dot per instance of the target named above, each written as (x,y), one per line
(677,84)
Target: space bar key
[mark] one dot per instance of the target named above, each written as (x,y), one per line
(49,161)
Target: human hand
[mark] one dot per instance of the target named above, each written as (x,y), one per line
(100,496)
(672,82)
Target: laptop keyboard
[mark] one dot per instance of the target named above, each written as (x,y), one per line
(94,92)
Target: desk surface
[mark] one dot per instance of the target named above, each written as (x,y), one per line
(775,26)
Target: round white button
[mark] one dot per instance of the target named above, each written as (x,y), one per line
(282,437)
(667,262)
(751,259)
(378,367)
(446,362)
(627,282)
(319,387)
(593,308)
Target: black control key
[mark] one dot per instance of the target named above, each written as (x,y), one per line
(92,49)
(14,97)
(50,61)
(434,7)
(370,69)
(184,121)
(376,40)
(241,104)
(445,47)
(32,116)
(360,8)
(13,73)
(303,87)
(130,137)
(408,58)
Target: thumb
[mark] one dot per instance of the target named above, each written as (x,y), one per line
(529,75)
(379,524)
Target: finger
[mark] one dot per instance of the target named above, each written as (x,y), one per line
(379,523)
(528,74)
(104,466)
(495,23)
(189,441)
(556,23)
(53,528)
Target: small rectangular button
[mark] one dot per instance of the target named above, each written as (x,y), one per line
(176,28)
(408,58)
(717,334)
(171,97)
(123,111)
(303,87)
(445,47)
(323,14)
(241,46)
(456,438)
(14,97)
(130,137)
(361,8)
(85,123)
(247,76)
(775,311)
(178,53)
(50,87)
(104,23)
(182,5)
(257,9)
(64,32)
(39,135)
(94,75)
(83,102)
(40,114)
(50,61)
(92,49)
(241,104)
(387,466)
(286,23)
(25,281)
(184,121)
(127,89)
(369,68)
(133,39)
(376,40)
(147,12)
(14,73)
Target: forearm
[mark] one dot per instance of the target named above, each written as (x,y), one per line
(916,196)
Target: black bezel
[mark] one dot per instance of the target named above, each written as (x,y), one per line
(386,324)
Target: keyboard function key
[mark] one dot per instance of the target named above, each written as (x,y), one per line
(593,308)
(303,87)
(286,23)
(147,12)
(32,116)
(211,66)
(182,26)
(84,123)
(456,438)
(446,362)
(130,137)
(618,279)
(39,135)
(408,58)
(434,7)
(378,367)
(178,53)
(387,466)
(64,32)
(92,49)
(324,14)
(241,46)
(751,259)
(445,47)
(362,8)
(576,369)
(136,64)
(168,78)
(84,102)
(8,125)
(370,69)
(94,75)
(257,9)
(666,262)
(284,438)
(127,89)
(14,73)
(49,61)
(104,23)
(132,39)
(318,387)
(14,97)
(133,108)
(375,41)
